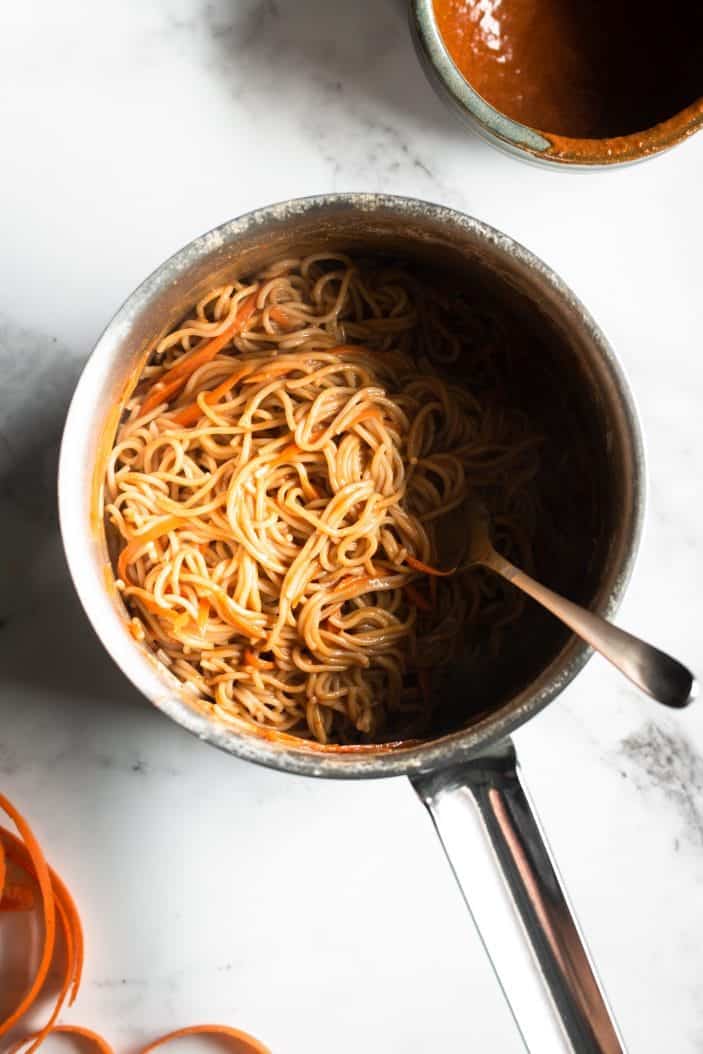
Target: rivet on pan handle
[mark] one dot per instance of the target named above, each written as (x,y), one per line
(505,870)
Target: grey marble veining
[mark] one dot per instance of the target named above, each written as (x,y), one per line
(665,762)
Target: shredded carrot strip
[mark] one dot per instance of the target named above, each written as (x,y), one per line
(176,377)
(368,413)
(162,392)
(203,613)
(292,450)
(43,878)
(234,619)
(3,871)
(157,609)
(418,565)
(416,598)
(188,415)
(252,659)
(279,315)
(244,1043)
(135,544)
(274,369)
(188,364)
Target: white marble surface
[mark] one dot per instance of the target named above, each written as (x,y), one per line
(321,916)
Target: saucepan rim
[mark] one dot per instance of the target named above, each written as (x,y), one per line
(75,482)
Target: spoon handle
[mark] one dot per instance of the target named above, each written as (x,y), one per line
(656,673)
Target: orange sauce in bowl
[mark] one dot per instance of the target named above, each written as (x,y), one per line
(578,69)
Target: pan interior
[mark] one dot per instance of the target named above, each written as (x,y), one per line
(553,370)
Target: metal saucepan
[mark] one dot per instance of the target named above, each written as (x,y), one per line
(467,774)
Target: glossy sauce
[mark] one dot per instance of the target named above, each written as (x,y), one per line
(575,68)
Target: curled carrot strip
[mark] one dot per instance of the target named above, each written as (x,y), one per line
(203,613)
(71,1030)
(418,565)
(19,855)
(135,543)
(41,873)
(244,1043)
(24,852)
(175,379)
(70,926)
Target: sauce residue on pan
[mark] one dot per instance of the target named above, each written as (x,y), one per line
(576,69)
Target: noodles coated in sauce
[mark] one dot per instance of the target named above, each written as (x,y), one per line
(275,487)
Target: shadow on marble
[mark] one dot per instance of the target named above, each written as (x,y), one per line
(46,641)
(355,59)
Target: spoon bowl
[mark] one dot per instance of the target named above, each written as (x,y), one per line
(464,541)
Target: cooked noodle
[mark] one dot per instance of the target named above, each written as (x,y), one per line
(276,493)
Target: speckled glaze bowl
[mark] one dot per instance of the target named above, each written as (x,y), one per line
(531,144)
(467,777)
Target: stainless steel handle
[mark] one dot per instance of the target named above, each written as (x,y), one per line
(509,880)
(656,673)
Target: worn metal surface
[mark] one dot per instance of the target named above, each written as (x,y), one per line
(353,221)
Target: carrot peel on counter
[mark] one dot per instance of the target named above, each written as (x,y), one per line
(16,897)
(175,379)
(243,1042)
(19,854)
(25,854)
(39,870)
(68,1030)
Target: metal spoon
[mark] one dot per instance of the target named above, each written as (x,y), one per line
(657,674)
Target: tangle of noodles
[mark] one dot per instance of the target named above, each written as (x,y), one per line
(276,483)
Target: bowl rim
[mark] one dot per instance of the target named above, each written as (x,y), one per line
(522,140)
(76,471)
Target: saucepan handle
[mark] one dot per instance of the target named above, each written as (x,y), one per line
(511,885)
